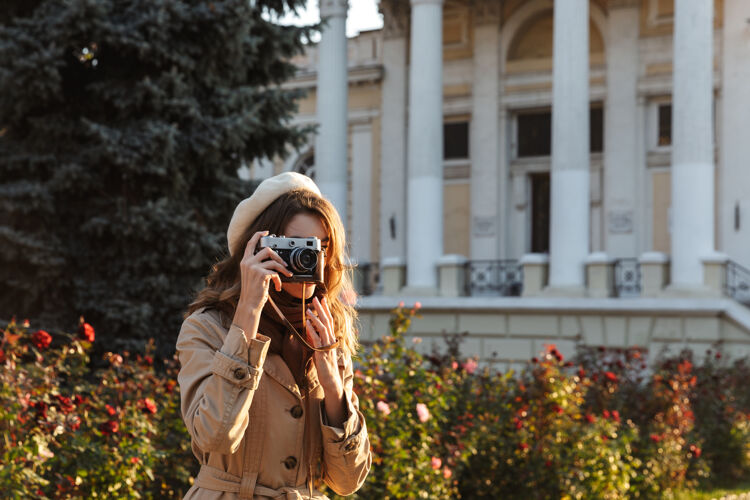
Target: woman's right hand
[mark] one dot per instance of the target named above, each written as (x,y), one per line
(257,271)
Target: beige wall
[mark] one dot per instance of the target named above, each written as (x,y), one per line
(456,209)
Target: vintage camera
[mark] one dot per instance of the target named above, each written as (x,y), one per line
(304,257)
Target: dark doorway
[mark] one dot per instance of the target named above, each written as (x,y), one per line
(540,203)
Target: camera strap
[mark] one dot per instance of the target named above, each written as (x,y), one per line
(298,334)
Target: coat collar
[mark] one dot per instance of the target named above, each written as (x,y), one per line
(276,368)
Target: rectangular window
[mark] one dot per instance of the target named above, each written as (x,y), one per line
(535,132)
(665,125)
(596,118)
(456,141)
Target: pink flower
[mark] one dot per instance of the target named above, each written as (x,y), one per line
(454,365)
(417,305)
(116,360)
(422,412)
(470,366)
(383,407)
(401,304)
(436,463)
(447,473)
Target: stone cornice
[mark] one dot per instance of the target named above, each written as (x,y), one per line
(395,17)
(487,11)
(333,8)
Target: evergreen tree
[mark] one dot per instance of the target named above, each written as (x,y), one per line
(122,126)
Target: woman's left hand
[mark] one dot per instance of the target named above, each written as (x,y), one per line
(320,334)
(320,330)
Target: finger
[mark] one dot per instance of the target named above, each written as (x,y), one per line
(270,276)
(272,265)
(320,328)
(323,314)
(327,310)
(253,243)
(312,335)
(268,253)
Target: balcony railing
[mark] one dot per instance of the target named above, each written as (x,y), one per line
(627,278)
(737,284)
(494,278)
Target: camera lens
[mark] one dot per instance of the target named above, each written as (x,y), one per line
(303,260)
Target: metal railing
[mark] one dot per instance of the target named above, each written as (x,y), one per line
(627,278)
(494,278)
(737,282)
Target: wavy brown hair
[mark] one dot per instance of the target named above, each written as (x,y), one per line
(223,284)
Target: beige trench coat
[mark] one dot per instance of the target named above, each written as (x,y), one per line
(244,413)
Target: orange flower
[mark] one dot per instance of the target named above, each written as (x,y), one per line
(86,331)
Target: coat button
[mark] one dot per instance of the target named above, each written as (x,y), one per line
(297,411)
(290,462)
(240,373)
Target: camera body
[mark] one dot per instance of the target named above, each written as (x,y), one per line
(304,257)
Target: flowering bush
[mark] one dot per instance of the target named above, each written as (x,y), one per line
(603,425)
(72,431)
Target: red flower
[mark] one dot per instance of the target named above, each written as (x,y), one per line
(79,400)
(41,409)
(2,356)
(109,427)
(74,423)
(590,418)
(66,404)
(615,415)
(581,372)
(170,385)
(147,405)
(695,451)
(149,360)
(86,331)
(523,446)
(110,410)
(41,339)
(655,438)
(605,414)
(610,376)
(718,355)
(134,460)
(558,409)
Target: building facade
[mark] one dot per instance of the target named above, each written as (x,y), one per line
(539,171)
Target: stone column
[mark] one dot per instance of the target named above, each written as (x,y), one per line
(393,135)
(734,202)
(360,233)
(692,142)
(570,205)
(332,96)
(424,241)
(485,132)
(621,129)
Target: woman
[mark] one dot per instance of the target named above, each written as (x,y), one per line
(268,416)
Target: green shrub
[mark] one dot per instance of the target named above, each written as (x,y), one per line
(440,426)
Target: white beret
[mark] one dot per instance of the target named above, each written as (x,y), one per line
(265,194)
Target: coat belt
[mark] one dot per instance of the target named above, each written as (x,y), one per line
(215,479)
